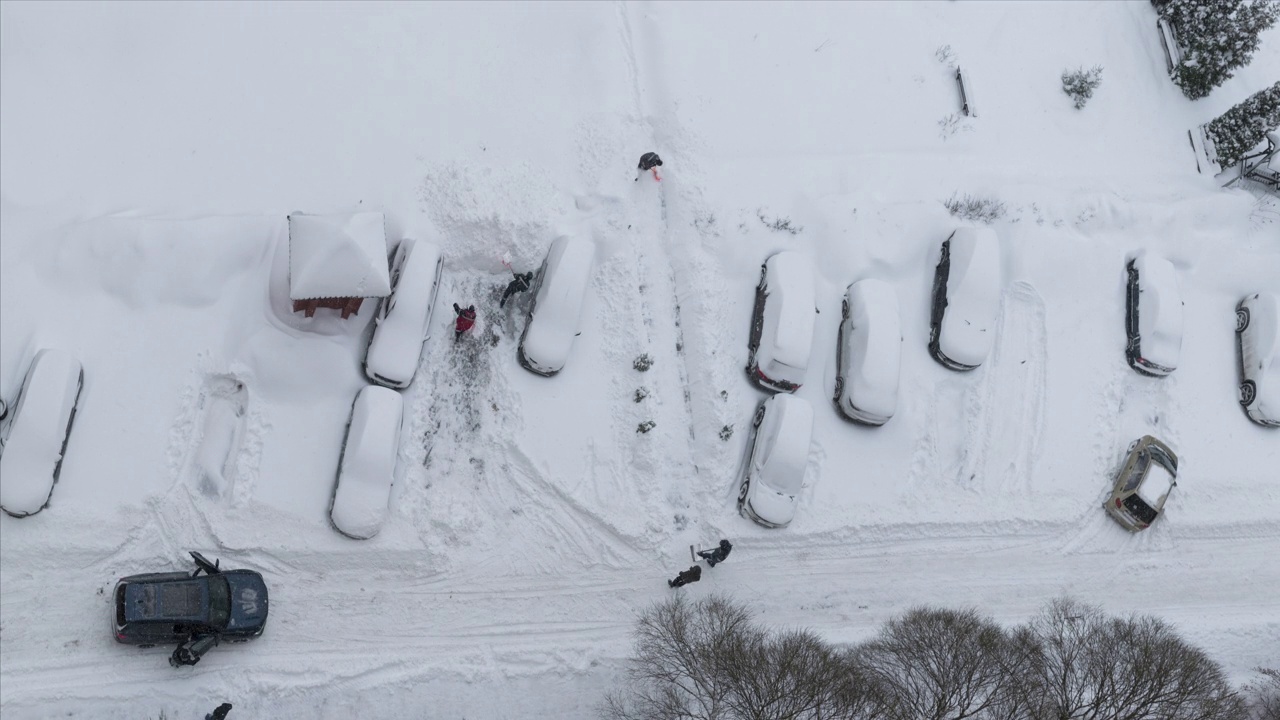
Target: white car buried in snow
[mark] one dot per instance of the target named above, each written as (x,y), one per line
(38,432)
(404,317)
(868,353)
(782,323)
(1258,332)
(966,298)
(367,466)
(558,296)
(779,453)
(1153,315)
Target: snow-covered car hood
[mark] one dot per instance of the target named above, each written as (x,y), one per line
(973,296)
(1159,310)
(772,506)
(872,352)
(38,431)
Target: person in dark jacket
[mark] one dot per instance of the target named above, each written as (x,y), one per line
(519,285)
(651,162)
(466,319)
(692,575)
(716,555)
(220,713)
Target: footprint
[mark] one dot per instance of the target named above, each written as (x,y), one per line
(224,400)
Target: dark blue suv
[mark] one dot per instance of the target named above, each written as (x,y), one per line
(194,610)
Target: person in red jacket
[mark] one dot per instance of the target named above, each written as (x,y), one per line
(466,319)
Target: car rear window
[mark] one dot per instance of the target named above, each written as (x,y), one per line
(1141,511)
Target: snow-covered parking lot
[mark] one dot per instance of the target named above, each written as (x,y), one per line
(150,156)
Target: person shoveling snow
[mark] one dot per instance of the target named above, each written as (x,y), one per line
(651,162)
(466,320)
(521,283)
(717,554)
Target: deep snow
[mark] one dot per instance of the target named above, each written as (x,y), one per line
(151,153)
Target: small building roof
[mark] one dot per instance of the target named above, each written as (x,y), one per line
(343,255)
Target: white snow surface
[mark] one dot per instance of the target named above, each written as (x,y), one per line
(338,255)
(151,152)
(974,285)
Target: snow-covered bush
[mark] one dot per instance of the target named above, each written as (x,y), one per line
(643,363)
(1240,129)
(1079,84)
(1217,37)
(976,209)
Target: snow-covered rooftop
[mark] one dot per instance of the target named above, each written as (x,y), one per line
(339,255)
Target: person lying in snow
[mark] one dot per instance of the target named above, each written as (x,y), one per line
(692,575)
(716,555)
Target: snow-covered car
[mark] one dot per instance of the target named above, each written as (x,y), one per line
(966,299)
(1149,473)
(559,293)
(404,317)
(782,323)
(197,611)
(39,431)
(366,468)
(868,353)
(1258,333)
(1153,315)
(783,429)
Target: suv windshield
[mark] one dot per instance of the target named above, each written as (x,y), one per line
(219,601)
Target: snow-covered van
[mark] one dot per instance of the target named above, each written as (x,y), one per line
(38,432)
(779,454)
(366,468)
(1258,332)
(782,323)
(1153,315)
(868,353)
(559,293)
(404,317)
(966,298)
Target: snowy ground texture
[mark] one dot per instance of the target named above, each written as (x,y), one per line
(151,153)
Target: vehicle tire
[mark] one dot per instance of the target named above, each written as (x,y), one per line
(1242,319)
(759,417)
(839,389)
(1248,391)
(146,646)
(844,308)
(742,493)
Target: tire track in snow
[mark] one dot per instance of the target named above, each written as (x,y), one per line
(1005,413)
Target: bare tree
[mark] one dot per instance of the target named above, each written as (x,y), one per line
(939,665)
(1264,695)
(706,660)
(1089,666)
